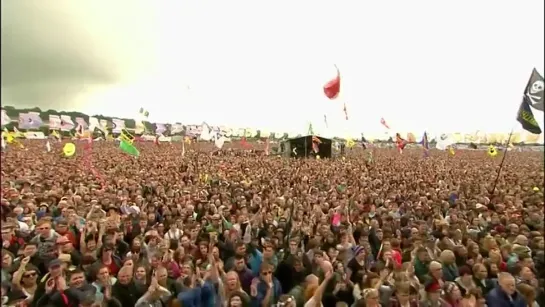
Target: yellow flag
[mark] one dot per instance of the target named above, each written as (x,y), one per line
(55,134)
(350,143)
(69,149)
(126,136)
(451,151)
(492,151)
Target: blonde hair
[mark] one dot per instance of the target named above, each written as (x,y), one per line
(309,292)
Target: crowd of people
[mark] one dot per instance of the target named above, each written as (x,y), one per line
(102,228)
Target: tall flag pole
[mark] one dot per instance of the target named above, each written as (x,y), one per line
(533,98)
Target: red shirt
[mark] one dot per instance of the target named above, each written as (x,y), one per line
(113,268)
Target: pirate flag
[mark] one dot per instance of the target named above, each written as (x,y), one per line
(534,90)
(533,98)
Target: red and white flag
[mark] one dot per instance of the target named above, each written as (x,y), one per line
(333,87)
(383,122)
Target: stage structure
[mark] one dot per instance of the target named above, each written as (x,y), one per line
(303,147)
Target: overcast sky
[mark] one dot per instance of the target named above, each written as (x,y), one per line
(441,66)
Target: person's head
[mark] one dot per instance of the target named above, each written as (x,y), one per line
(528,293)
(124,276)
(312,280)
(30,275)
(161,274)
(447,257)
(76,278)
(55,268)
(506,282)
(240,263)
(140,272)
(526,274)
(107,251)
(286,301)
(235,300)
(65,245)
(266,271)
(422,255)
(268,251)
(479,271)
(465,273)
(232,281)
(433,291)
(371,297)
(43,227)
(30,249)
(436,270)
(103,274)
(452,292)
(402,292)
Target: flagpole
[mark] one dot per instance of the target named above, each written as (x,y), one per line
(502,161)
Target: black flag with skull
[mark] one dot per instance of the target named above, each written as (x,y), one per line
(534,90)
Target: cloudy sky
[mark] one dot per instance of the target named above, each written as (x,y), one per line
(440,66)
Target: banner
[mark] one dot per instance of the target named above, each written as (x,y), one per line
(81,124)
(54,122)
(34,135)
(103,125)
(66,123)
(160,128)
(176,128)
(30,120)
(118,125)
(5,118)
(192,130)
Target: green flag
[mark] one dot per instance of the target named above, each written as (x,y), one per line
(129,148)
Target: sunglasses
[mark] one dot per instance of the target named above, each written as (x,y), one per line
(28,275)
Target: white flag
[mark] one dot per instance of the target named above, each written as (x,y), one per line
(5,118)
(48,146)
(219,142)
(205,132)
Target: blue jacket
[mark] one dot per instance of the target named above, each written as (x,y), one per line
(198,296)
(498,298)
(262,292)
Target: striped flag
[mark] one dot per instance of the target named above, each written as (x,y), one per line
(425,144)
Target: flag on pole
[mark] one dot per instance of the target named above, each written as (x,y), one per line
(533,98)
(383,122)
(128,148)
(219,142)
(310,130)
(363,142)
(534,90)
(400,143)
(333,87)
(144,112)
(425,144)
(316,144)
(5,118)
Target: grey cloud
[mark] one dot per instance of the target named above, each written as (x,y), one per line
(52,50)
